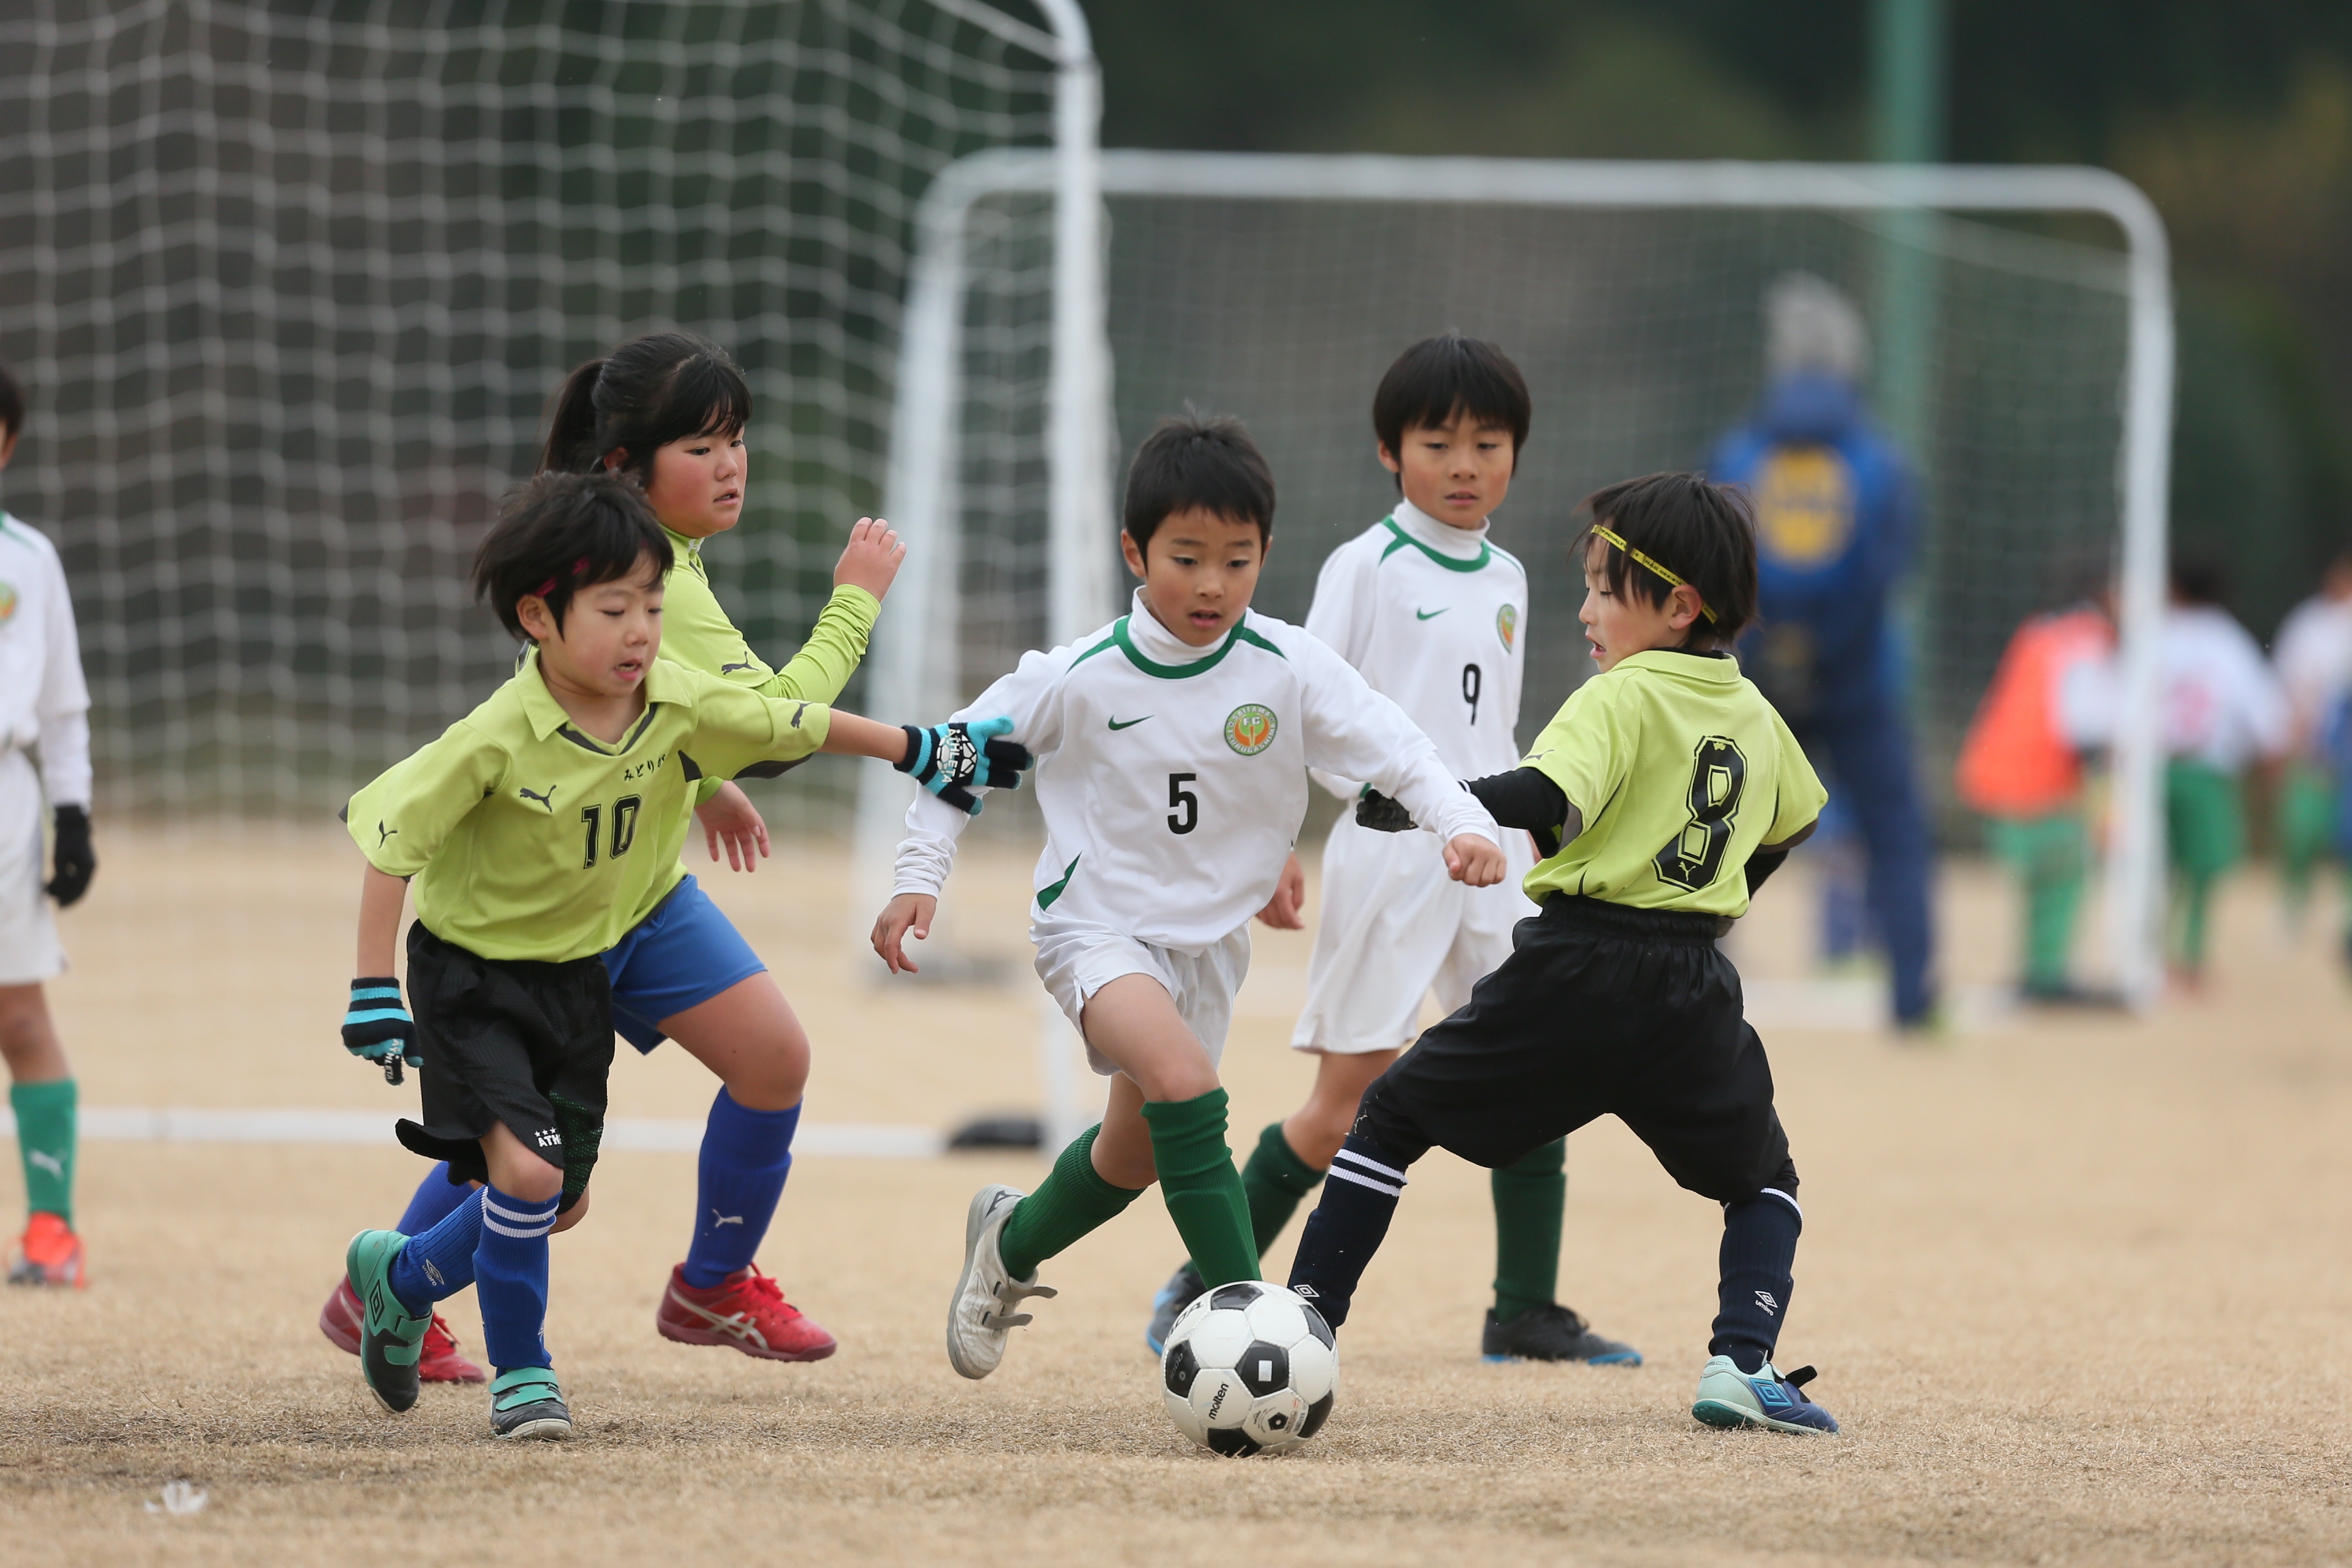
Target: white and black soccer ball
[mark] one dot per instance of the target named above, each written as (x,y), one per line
(1250,1368)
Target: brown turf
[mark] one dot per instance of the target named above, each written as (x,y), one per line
(2076,1288)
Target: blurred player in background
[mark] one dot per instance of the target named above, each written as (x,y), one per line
(1435,616)
(44,708)
(1835,520)
(2313,656)
(2022,766)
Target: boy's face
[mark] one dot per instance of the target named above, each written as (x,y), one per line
(1456,472)
(1619,626)
(696,486)
(1198,573)
(610,635)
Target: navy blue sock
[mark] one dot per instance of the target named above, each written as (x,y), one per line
(746,1155)
(435,1196)
(511,1279)
(438,1264)
(1759,1248)
(1359,1198)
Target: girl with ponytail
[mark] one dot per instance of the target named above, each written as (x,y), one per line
(670,409)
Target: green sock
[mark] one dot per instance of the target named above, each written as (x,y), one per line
(1531,1198)
(1201,1187)
(1275,1180)
(1071,1201)
(44,1142)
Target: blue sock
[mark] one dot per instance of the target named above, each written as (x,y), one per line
(435,1195)
(438,1263)
(1759,1248)
(746,1155)
(1359,1198)
(511,1279)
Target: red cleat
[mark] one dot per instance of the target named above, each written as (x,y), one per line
(48,1253)
(438,1360)
(747,1310)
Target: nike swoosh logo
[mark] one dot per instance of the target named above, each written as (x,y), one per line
(1130,723)
(1429,614)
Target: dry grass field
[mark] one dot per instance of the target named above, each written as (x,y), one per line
(2077,1287)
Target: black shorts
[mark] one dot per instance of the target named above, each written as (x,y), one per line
(514,1042)
(1599,1010)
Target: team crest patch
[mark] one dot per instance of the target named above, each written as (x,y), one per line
(7,603)
(1507,625)
(1249,728)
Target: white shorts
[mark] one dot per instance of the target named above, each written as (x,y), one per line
(1077,958)
(29,950)
(1395,927)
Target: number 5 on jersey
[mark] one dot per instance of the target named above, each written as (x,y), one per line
(1692,858)
(1183,806)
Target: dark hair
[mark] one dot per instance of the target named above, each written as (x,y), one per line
(1446,375)
(559,533)
(12,402)
(1197,460)
(1701,531)
(2199,580)
(651,391)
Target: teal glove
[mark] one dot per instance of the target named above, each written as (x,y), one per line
(949,759)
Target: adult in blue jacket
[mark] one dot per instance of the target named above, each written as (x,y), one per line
(1836,522)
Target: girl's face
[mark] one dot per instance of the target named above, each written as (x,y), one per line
(696,484)
(1619,626)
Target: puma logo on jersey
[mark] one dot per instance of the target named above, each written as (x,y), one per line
(547,800)
(1429,614)
(796,714)
(383,833)
(731,668)
(717,1219)
(1130,723)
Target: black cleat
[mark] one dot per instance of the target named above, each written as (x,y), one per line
(1183,1288)
(1553,1332)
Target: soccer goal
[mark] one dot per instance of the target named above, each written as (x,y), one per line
(2037,355)
(289,286)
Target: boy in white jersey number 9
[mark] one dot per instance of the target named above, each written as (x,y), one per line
(1172,751)
(1667,789)
(1434,615)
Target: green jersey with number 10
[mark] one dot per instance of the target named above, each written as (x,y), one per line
(1680,769)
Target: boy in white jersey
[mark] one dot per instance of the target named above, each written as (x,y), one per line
(1173,748)
(44,708)
(1434,616)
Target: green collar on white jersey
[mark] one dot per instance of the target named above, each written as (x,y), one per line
(1452,563)
(1120,640)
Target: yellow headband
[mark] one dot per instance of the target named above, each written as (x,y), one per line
(1613,537)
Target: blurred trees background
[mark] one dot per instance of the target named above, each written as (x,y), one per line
(2236,119)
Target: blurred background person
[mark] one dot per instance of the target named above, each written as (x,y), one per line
(2313,657)
(1836,520)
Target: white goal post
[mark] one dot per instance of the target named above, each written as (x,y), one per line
(918,672)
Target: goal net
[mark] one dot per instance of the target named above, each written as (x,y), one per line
(289,287)
(1279,289)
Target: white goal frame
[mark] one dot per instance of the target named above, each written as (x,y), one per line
(913,666)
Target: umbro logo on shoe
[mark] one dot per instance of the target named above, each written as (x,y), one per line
(1771,1393)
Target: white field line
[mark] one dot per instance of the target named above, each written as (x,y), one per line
(141,1124)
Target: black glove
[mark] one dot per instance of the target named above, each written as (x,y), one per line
(1380,814)
(75,862)
(945,758)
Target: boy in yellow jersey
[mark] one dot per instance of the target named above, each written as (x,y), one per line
(540,830)
(1665,790)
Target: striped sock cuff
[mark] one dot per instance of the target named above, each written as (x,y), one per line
(518,1218)
(1349,1165)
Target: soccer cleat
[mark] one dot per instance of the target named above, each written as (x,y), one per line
(981,1313)
(1730,1397)
(1552,1332)
(747,1310)
(1183,1288)
(528,1403)
(48,1253)
(391,1341)
(437,1361)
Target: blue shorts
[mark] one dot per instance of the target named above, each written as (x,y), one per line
(679,956)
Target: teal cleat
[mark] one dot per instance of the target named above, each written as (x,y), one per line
(528,1403)
(1771,1399)
(389,1338)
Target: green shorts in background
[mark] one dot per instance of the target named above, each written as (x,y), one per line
(2204,820)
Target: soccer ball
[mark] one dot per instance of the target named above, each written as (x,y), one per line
(1250,1368)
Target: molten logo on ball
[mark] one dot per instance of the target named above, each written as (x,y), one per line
(1250,1368)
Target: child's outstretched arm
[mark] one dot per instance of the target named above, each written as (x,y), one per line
(376,1027)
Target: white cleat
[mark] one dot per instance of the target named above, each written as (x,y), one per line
(982,1311)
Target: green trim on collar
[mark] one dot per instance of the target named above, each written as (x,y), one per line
(1110,641)
(1486,550)
(1240,633)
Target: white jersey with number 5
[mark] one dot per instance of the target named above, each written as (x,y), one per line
(1173,778)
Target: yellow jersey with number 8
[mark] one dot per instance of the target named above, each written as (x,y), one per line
(1680,769)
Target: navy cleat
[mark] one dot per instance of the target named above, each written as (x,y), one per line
(1183,1288)
(1730,1397)
(1552,1332)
